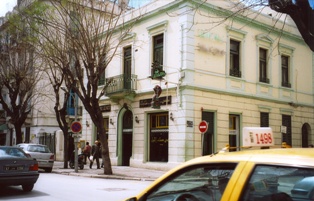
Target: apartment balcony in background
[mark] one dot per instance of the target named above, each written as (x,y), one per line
(71,111)
(121,86)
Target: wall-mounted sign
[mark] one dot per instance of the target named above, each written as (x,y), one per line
(163,101)
(189,124)
(105,108)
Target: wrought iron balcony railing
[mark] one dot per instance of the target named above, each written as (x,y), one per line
(286,84)
(71,111)
(264,79)
(235,72)
(121,84)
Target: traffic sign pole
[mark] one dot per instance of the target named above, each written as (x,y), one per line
(76,127)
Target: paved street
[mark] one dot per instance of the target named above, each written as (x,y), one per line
(56,187)
(69,186)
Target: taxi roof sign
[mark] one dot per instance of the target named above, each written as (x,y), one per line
(258,137)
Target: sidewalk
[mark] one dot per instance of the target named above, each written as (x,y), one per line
(119,172)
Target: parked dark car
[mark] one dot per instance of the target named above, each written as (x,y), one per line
(17,168)
(41,153)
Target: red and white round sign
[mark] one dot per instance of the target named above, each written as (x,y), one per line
(76,127)
(203,126)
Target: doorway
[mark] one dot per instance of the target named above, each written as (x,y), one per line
(208,136)
(306,135)
(127,137)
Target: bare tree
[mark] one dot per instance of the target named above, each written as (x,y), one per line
(78,40)
(19,73)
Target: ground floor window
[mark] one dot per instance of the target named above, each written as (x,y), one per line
(158,137)
(287,134)
(234,132)
(264,119)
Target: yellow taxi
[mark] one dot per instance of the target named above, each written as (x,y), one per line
(279,174)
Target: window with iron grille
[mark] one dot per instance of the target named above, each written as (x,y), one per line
(235,58)
(285,82)
(263,65)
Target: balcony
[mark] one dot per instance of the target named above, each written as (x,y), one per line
(286,84)
(264,79)
(71,111)
(121,86)
(235,72)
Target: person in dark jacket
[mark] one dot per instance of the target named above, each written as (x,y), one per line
(86,152)
(96,153)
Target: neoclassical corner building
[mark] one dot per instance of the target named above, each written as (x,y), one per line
(186,61)
(244,71)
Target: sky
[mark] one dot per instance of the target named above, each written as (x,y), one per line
(6,5)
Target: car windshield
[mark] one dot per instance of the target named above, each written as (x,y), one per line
(201,182)
(280,183)
(38,148)
(12,152)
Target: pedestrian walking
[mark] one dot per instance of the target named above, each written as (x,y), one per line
(87,152)
(96,154)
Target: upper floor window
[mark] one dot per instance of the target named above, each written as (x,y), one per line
(74,24)
(158,48)
(102,79)
(263,65)
(285,63)
(235,58)
(127,66)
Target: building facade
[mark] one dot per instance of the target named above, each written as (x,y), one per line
(243,71)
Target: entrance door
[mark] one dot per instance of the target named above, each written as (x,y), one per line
(208,137)
(305,135)
(127,137)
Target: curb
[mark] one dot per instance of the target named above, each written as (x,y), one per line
(102,176)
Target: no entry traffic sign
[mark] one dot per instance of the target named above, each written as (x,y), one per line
(76,127)
(203,126)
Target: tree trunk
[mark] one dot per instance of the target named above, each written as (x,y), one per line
(105,147)
(65,150)
(18,134)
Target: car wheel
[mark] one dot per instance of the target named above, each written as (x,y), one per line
(27,187)
(48,169)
